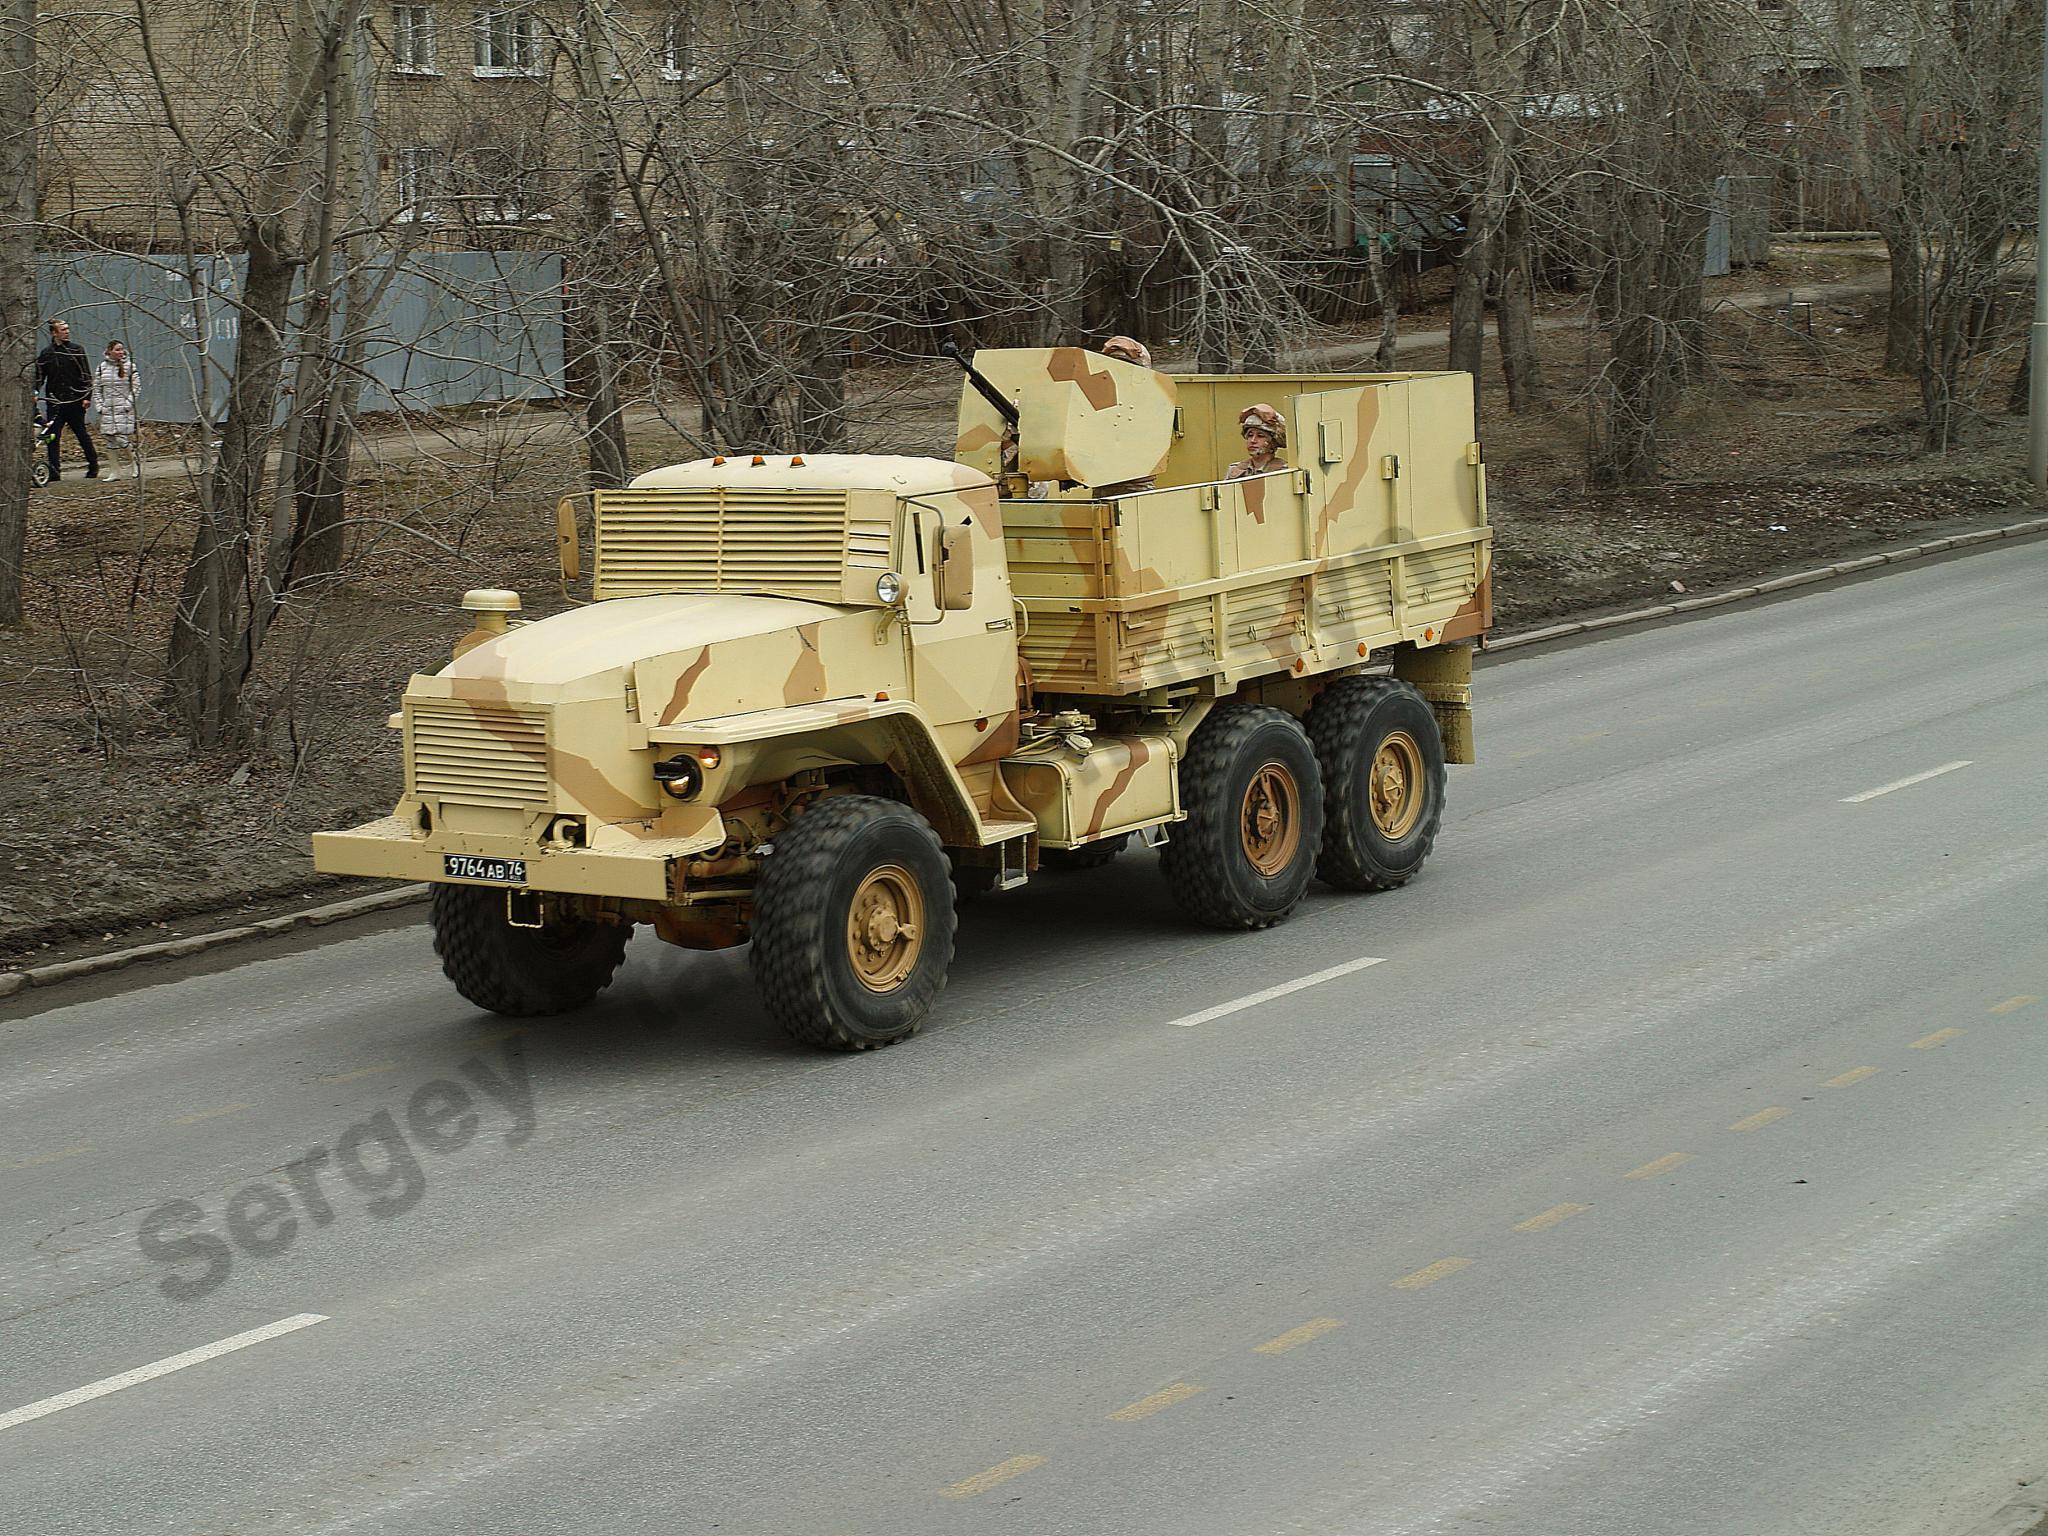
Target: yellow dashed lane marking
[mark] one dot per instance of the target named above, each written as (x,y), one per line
(1853,1075)
(1939,1038)
(211,1114)
(1551,1217)
(1158,1402)
(53,1157)
(994,1477)
(360,1072)
(1664,1164)
(1431,1275)
(1761,1118)
(1293,1338)
(2013,1004)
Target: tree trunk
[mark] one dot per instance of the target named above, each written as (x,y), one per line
(1468,302)
(327,441)
(1386,276)
(17,289)
(212,643)
(1514,318)
(1902,304)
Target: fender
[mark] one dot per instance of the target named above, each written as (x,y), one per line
(892,733)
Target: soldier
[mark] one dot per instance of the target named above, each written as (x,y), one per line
(1129,350)
(1265,434)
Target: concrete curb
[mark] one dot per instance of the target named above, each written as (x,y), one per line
(1763,588)
(12,982)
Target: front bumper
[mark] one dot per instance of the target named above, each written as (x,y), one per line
(390,849)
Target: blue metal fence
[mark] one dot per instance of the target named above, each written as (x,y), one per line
(453,328)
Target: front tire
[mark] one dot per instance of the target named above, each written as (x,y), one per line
(1254,803)
(523,973)
(1383,776)
(853,924)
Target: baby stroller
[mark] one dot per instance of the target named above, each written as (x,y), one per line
(39,455)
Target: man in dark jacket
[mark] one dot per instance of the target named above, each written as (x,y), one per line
(64,375)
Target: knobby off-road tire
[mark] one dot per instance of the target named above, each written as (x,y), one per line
(523,973)
(853,924)
(1254,802)
(1088,856)
(1383,781)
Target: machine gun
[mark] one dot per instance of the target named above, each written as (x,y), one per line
(995,397)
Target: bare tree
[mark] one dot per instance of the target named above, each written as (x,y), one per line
(1939,167)
(238,571)
(17,289)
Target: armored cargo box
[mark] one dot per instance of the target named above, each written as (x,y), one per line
(1375,534)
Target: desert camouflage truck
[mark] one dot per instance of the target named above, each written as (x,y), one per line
(815,698)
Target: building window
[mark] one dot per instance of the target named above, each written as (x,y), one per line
(676,61)
(415,179)
(507,42)
(412,40)
(503,187)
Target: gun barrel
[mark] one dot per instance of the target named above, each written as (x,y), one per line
(995,397)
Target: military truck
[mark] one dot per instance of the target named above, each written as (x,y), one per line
(815,698)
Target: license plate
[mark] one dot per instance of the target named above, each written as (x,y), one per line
(465,866)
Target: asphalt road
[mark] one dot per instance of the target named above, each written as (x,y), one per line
(1680,1168)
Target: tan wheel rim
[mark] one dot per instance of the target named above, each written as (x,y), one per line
(885,928)
(1270,825)
(1396,789)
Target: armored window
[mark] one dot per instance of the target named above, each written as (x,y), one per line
(507,42)
(412,40)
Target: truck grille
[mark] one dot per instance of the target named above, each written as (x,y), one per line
(477,754)
(793,543)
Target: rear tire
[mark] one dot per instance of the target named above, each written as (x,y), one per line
(1254,802)
(1383,780)
(853,924)
(523,973)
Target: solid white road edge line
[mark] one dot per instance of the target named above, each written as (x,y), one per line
(164,1367)
(1285,987)
(1918,778)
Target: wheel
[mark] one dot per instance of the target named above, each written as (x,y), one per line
(1088,856)
(521,972)
(853,924)
(1383,781)
(38,473)
(1254,803)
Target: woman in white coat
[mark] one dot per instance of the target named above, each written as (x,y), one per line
(115,390)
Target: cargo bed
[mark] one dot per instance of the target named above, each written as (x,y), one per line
(1376,535)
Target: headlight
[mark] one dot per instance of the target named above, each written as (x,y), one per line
(680,776)
(889,587)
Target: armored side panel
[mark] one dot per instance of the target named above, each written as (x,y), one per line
(1377,535)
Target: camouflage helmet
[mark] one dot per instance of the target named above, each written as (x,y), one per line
(1129,349)
(1265,419)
